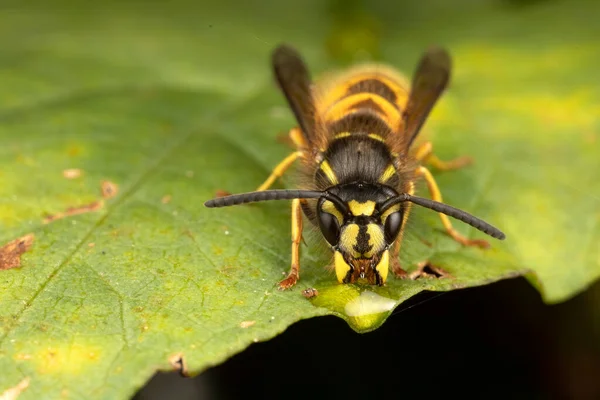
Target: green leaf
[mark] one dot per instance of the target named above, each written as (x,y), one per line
(172,102)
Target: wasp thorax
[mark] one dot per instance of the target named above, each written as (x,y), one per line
(359,231)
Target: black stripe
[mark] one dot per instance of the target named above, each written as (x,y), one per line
(368,104)
(363,121)
(362,245)
(373,86)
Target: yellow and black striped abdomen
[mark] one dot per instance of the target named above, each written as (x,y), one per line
(376,89)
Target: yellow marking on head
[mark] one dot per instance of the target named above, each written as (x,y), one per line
(376,137)
(387,174)
(376,240)
(341,267)
(383,265)
(328,207)
(365,208)
(326,168)
(348,239)
(342,135)
(387,212)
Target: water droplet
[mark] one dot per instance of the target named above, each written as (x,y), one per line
(364,308)
(368,303)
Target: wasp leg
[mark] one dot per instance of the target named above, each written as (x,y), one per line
(437,196)
(395,266)
(424,153)
(298,138)
(294,274)
(279,170)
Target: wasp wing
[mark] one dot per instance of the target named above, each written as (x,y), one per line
(429,81)
(294,80)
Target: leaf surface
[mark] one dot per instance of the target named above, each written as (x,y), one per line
(171,103)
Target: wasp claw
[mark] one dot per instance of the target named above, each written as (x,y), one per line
(288,282)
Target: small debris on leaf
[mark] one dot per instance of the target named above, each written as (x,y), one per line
(178,363)
(189,174)
(310,293)
(428,270)
(94,206)
(72,173)
(166,199)
(247,324)
(109,189)
(14,392)
(10,253)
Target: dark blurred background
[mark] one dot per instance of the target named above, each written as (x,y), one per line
(498,341)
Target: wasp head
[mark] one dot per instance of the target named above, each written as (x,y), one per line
(359,231)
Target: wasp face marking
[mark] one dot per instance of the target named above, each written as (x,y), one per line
(362,236)
(357,209)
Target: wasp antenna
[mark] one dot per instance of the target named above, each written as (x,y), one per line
(460,215)
(264,195)
(454,212)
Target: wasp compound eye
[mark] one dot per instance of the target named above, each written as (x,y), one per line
(330,227)
(392,226)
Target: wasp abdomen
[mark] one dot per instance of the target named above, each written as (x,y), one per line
(374,89)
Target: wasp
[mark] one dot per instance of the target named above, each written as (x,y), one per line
(354,142)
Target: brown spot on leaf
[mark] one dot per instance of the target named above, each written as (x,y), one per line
(72,173)
(10,253)
(247,324)
(14,392)
(428,270)
(227,270)
(178,363)
(166,199)
(109,189)
(94,206)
